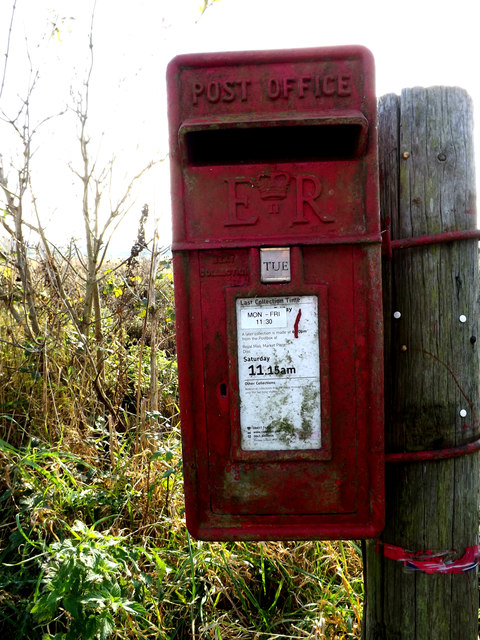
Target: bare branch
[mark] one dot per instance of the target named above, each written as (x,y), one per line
(119,211)
(81,260)
(4,75)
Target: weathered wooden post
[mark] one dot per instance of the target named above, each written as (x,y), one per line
(421,577)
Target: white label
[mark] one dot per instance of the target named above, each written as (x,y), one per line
(266,318)
(279,373)
(275,264)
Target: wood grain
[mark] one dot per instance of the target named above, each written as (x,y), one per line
(431,366)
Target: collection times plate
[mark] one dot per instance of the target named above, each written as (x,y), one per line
(279,374)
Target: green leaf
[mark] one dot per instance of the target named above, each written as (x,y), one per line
(134,608)
(72,605)
(115,590)
(45,609)
(106,626)
(93,600)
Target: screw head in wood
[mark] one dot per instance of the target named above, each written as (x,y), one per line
(406,155)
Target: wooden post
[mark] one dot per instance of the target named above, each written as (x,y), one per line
(432,368)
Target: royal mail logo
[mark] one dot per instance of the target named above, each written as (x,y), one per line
(267,192)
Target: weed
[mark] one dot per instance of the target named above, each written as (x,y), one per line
(86,585)
(93,542)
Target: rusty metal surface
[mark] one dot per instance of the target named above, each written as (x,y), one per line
(278,149)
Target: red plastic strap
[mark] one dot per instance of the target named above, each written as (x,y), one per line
(389,245)
(434,454)
(429,562)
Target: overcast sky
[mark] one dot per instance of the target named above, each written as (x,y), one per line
(415,42)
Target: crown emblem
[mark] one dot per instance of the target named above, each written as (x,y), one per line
(273,186)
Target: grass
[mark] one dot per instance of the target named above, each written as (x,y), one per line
(93,543)
(80,544)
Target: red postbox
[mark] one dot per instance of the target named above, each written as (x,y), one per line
(276,256)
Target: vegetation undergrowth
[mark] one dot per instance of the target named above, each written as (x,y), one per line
(93,542)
